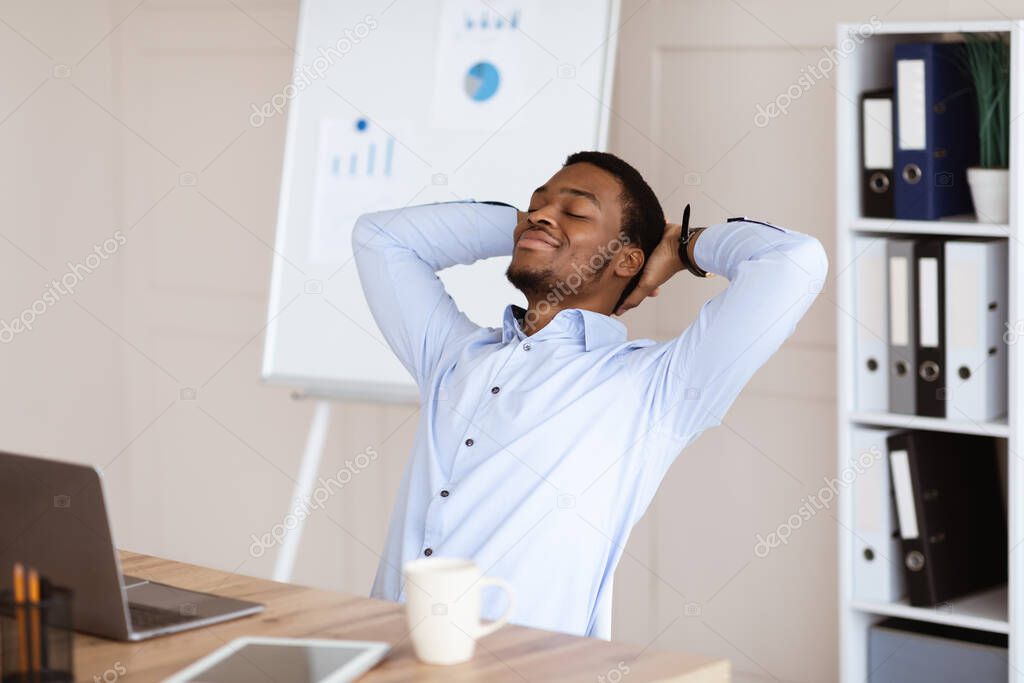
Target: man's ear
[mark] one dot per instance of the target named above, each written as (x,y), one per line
(629,261)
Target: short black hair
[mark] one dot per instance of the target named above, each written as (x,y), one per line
(643,220)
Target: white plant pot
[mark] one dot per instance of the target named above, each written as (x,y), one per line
(990,192)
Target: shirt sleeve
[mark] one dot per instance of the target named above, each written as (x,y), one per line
(774,275)
(398,254)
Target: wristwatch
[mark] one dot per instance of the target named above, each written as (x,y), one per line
(684,243)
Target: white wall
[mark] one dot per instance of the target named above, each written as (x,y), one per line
(134,117)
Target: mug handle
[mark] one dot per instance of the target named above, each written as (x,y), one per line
(486,630)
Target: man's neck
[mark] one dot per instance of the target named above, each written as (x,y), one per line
(540,311)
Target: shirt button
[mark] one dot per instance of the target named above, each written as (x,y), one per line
(444,494)
(495,390)
(527,346)
(469,442)
(428,552)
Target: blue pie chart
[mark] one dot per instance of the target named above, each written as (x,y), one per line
(482,81)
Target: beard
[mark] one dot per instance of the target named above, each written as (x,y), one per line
(530,281)
(538,282)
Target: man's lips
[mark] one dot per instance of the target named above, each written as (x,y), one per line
(535,238)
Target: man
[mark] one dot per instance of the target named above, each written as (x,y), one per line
(541,444)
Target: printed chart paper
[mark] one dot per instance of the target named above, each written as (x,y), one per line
(485,65)
(361,167)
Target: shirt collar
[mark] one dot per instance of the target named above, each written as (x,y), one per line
(594,329)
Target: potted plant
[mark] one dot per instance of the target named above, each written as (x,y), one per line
(987,61)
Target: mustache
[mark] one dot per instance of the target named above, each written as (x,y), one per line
(552,238)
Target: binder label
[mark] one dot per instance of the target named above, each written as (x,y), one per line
(899,323)
(871,496)
(871,286)
(928,304)
(910,103)
(963,294)
(877,133)
(904,493)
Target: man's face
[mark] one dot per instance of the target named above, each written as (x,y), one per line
(571,234)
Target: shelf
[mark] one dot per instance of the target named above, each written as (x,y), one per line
(985,611)
(956,226)
(916,28)
(934,424)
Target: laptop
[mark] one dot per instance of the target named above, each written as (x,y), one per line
(53,517)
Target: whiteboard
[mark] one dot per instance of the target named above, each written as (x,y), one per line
(410,103)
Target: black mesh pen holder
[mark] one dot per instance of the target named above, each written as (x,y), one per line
(36,640)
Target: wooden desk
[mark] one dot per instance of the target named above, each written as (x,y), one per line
(513,653)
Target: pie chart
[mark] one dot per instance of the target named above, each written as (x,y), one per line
(482,81)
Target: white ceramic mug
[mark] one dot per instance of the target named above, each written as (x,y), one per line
(442,603)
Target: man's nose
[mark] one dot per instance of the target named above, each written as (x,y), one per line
(542,215)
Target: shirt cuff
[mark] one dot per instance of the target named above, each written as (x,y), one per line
(723,246)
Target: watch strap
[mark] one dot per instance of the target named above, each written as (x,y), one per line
(684,246)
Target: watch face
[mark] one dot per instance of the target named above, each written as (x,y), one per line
(682,249)
(684,243)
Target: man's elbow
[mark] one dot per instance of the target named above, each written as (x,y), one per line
(810,259)
(364,232)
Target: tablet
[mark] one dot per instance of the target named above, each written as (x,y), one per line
(285,660)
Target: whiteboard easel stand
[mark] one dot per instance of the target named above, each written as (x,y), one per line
(313,453)
(310,465)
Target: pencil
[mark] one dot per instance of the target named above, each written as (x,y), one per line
(19,602)
(37,636)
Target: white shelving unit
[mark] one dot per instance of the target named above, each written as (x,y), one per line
(984,611)
(1001,610)
(933,424)
(944,227)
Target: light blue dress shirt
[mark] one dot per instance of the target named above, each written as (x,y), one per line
(536,455)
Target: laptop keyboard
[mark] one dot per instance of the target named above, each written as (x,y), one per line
(147,618)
